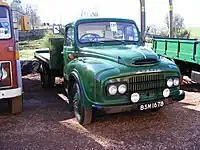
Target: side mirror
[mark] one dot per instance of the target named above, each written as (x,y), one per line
(56,29)
(25,23)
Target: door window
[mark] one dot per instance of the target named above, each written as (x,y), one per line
(5,29)
(69,36)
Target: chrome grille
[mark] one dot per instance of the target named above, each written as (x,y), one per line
(146,82)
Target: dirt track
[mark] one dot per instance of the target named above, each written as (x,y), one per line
(46,124)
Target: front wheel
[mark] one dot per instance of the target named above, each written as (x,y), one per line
(82,114)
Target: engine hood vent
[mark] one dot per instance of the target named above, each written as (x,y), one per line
(145,61)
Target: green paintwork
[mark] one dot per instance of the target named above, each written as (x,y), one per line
(56,47)
(95,66)
(178,49)
(101,65)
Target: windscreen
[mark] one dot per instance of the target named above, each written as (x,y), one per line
(107,31)
(5,30)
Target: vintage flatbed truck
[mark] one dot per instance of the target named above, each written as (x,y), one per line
(184,52)
(106,68)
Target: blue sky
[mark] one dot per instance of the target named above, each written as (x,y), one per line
(56,11)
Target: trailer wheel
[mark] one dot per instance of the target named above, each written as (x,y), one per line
(83,115)
(15,105)
(44,80)
(47,78)
(51,80)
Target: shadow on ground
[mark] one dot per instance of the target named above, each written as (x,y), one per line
(38,126)
(46,123)
(193,87)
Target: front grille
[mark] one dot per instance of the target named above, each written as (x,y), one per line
(146,82)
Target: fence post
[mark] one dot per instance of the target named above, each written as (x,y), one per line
(170,18)
(142,11)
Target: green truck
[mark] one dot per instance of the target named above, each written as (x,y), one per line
(184,52)
(106,69)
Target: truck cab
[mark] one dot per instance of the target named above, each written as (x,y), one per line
(10,69)
(106,69)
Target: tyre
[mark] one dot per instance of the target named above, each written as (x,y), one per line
(51,80)
(47,78)
(70,105)
(15,105)
(44,80)
(83,115)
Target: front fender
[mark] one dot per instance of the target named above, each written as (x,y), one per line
(86,100)
(86,73)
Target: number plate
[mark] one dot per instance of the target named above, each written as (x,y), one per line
(151,105)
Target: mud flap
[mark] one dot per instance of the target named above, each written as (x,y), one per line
(15,105)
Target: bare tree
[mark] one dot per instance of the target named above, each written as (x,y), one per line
(178,27)
(94,13)
(32,13)
(154,30)
(17,10)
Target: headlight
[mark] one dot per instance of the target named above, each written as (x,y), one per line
(176,81)
(122,88)
(112,90)
(170,82)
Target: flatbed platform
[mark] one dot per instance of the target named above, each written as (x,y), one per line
(43,55)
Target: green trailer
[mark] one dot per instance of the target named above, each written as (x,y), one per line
(185,53)
(106,68)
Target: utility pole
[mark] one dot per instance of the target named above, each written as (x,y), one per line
(142,11)
(170,18)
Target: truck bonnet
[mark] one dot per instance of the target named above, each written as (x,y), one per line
(128,55)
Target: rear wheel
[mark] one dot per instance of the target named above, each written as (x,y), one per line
(82,114)
(47,78)
(15,105)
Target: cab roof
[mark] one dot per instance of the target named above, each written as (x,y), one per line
(100,19)
(3,3)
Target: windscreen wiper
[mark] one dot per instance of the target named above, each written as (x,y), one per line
(121,41)
(96,42)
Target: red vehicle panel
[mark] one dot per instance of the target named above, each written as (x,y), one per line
(10,69)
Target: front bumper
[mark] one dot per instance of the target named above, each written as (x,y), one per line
(9,93)
(131,107)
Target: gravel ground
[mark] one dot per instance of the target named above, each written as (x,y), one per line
(46,124)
